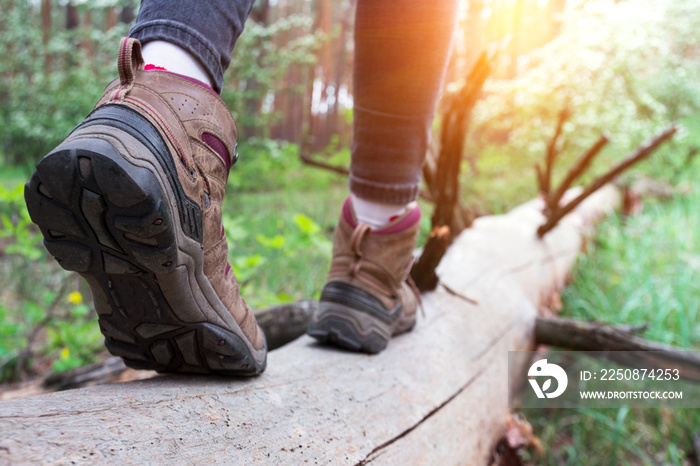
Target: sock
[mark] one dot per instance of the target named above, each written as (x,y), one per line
(377,214)
(174,59)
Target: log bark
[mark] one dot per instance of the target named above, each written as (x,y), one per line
(285,323)
(438,394)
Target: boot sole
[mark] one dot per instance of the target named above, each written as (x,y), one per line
(112,209)
(346,327)
(349,328)
(352,318)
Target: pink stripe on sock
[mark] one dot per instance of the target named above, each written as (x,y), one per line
(150,67)
(407,220)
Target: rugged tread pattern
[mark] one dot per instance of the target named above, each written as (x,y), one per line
(357,298)
(109,220)
(129,120)
(341,332)
(352,318)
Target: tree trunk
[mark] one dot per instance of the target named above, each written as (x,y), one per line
(110,18)
(87,41)
(46,33)
(339,69)
(253,104)
(72,17)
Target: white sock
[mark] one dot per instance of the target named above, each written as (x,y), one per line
(174,59)
(377,214)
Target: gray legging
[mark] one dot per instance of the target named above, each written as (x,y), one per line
(401,49)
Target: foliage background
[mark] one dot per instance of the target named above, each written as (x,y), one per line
(626,67)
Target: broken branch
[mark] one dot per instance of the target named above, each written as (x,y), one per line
(640,154)
(423,271)
(445,180)
(306,158)
(577,170)
(616,343)
(552,152)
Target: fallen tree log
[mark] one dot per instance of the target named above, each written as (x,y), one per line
(439,393)
(281,325)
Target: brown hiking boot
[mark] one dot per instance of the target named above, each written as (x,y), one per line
(131,200)
(368,297)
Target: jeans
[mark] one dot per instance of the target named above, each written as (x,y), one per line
(401,51)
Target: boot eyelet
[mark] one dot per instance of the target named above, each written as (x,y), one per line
(235,154)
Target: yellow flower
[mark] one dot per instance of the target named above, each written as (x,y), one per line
(65,352)
(75,298)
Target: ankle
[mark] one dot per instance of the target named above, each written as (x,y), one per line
(376,214)
(170,57)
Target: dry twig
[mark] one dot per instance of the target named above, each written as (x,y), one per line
(441,174)
(306,158)
(616,343)
(555,213)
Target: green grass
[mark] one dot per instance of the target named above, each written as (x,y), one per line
(41,329)
(644,268)
(11,177)
(280,242)
(613,436)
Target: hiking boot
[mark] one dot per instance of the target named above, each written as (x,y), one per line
(368,296)
(131,200)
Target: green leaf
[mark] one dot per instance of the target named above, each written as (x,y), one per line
(306,225)
(276,242)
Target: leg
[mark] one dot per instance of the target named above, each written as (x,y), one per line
(132,199)
(206,30)
(401,49)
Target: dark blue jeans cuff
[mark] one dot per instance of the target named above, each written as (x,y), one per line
(384,193)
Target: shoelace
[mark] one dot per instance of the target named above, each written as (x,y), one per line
(357,236)
(416,292)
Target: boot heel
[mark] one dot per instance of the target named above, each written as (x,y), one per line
(100,214)
(349,328)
